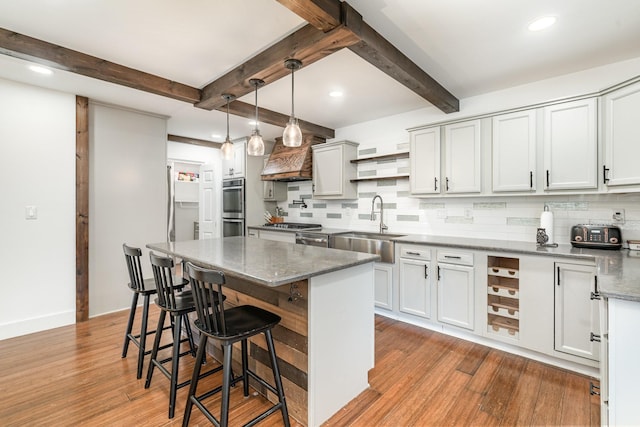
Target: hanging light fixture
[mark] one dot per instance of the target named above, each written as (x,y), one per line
(256,144)
(227,146)
(292,136)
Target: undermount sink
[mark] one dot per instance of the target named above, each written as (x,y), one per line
(367,242)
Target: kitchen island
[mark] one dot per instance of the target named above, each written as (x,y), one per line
(325,341)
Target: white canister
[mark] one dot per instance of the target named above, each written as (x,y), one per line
(546,222)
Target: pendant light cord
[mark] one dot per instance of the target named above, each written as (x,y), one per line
(256,106)
(228,119)
(292,89)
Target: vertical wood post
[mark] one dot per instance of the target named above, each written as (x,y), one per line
(82,208)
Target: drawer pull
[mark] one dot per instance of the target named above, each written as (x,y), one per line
(413,253)
(452,257)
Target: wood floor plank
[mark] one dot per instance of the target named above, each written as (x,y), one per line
(523,401)
(74,376)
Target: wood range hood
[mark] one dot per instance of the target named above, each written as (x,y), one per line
(291,163)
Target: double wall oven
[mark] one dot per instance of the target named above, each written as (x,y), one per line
(233,207)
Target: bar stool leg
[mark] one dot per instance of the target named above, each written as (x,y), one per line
(202,345)
(156,346)
(226,385)
(276,377)
(175,359)
(192,345)
(245,368)
(132,315)
(143,335)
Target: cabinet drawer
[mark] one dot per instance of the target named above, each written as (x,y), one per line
(454,257)
(415,252)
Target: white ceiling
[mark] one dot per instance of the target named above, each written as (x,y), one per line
(470,46)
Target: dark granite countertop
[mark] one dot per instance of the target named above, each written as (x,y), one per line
(265,262)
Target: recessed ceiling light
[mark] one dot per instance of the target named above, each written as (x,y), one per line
(216,136)
(542,23)
(252,122)
(335,94)
(40,70)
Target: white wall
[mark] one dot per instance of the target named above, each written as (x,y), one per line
(37,148)
(127,198)
(508,218)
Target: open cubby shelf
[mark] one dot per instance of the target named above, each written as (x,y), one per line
(503,292)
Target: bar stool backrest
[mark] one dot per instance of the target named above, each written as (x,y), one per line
(205,286)
(162,267)
(132,257)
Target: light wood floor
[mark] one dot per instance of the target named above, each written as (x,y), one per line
(74,376)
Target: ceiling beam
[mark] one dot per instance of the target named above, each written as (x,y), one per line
(51,55)
(322,14)
(307,44)
(374,48)
(194,141)
(41,52)
(243,109)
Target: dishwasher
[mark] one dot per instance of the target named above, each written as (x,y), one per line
(312,239)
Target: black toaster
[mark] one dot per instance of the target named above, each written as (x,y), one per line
(596,236)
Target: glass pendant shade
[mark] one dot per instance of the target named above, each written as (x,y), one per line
(227,146)
(227,150)
(292,135)
(256,144)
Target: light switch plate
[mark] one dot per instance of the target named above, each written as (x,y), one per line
(31,212)
(618,216)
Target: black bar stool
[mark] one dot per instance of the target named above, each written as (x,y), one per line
(178,305)
(146,288)
(229,326)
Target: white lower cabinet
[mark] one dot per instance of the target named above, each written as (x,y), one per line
(383,285)
(619,390)
(577,323)
(415,287)
(456,294)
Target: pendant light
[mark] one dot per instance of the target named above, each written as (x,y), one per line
(227,146)
(256,144)
(292,136)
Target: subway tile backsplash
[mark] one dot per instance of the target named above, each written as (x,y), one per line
(495,217)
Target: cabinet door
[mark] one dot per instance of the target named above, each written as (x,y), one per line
(621,136)
(415,287)
(514,151)
(456,295)
(327,171)
(383,285)
(570,150)
(424,161)
(462,154)
(239,149)
(576,314)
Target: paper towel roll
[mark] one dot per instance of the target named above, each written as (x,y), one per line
(546,222)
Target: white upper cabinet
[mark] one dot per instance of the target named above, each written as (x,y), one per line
(514,151)
(462,157)
(333,170)
(622,136)
(570,145)
(424,161)
(234,167)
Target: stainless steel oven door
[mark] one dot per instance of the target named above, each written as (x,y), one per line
(232,227)
(233,198)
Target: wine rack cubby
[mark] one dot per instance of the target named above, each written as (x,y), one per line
(503,296)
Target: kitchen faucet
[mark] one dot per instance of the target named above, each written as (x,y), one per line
(373,213)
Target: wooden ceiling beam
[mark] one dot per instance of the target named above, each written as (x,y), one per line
(308,44)
(243,109)
(41,52)
(51,55)
(193,141)
(325,15)
(373,48)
